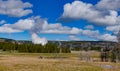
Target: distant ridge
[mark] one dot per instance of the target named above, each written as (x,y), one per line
(6,40)
(67,43)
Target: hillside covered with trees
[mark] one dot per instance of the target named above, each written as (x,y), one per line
(32,48)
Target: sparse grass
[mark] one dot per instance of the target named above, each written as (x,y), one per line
(32,62)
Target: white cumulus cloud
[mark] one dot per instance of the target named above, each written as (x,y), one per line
(37,25)
(113,29)
(15,8)
(109,5)
(107,37)
(6,29)
(78,10)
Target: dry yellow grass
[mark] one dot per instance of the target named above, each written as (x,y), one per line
(16,62)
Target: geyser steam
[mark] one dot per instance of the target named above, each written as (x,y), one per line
(36,29)
(38,40)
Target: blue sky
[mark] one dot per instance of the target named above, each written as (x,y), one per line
(66,19)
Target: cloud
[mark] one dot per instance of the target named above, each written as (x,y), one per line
(33,25)
(113,29)
(57,28)
(109,5)
(37,25)
(15,8)
(74,38)
(78,10)
(72,32)
(100,14)
(89,27)
(96,35)
(19,26)
(2,22)
(22,24)
(104,13)
(90,33)
(107,37)
(107,20)
(6,29)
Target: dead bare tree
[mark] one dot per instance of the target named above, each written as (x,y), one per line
(116,50)
(118,46)
(118,37)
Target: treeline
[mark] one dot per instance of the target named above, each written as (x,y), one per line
(33,48)
(86,48)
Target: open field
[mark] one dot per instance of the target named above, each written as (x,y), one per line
(52,62)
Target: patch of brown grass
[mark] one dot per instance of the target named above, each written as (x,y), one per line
(33,63)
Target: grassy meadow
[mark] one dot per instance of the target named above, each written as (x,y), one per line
(53,62)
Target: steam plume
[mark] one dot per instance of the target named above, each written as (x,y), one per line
(36,29)
(38,40)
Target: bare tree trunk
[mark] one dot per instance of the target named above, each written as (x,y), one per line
(116,50)
(118,46)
